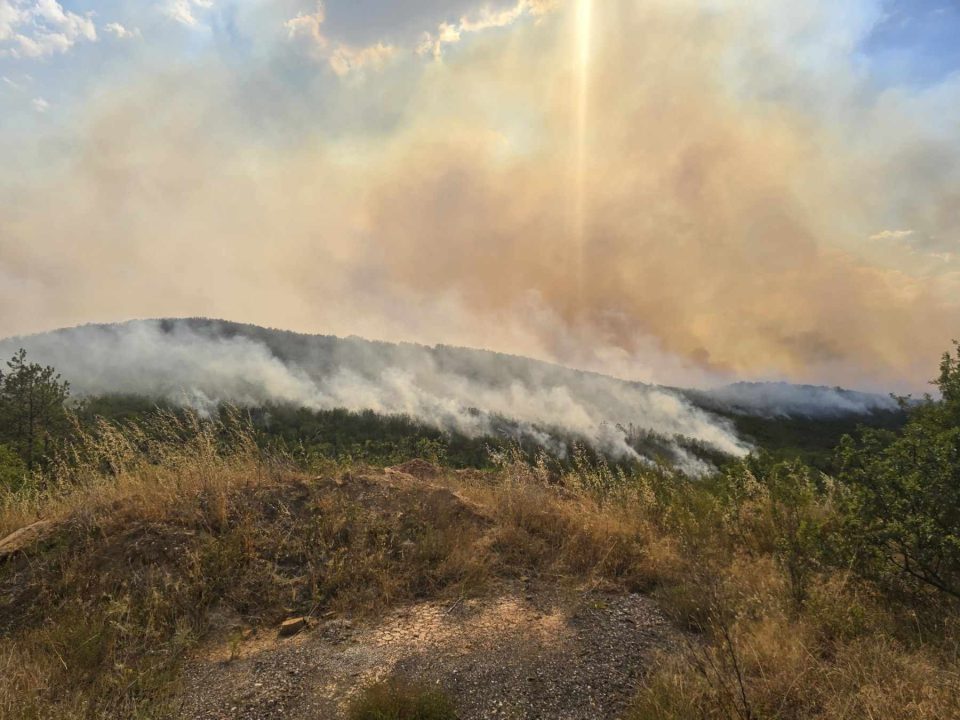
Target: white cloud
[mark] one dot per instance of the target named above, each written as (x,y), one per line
(893,235)
(183,10)
(11,16)
(121,32)
(309,26)
(40,105)
(41,28)
(346,59)
(343,59)
(484,19)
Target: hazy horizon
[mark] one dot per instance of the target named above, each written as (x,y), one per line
(708,382)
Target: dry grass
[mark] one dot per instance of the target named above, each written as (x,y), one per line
(775,666)
(759,649)
(165,522)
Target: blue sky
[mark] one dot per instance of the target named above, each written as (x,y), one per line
(918,42)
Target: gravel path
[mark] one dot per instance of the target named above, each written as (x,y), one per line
(525,654)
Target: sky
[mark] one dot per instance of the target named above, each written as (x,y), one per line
(675,191)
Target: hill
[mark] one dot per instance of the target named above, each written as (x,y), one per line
(473,395)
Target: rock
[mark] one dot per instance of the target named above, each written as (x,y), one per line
(293,626)
(25,538)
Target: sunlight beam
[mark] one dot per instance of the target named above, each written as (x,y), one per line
(584,40)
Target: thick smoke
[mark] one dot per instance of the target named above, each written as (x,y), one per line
(201,363)
(758,205)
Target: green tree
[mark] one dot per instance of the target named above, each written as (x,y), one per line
(13,471)
(32,408)
(904,491)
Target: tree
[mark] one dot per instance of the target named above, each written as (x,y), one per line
(32,408)
(904,490)
(12,469)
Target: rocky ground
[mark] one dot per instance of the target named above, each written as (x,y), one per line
(525,653)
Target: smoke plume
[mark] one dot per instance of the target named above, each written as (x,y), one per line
(200,364)
(738,164)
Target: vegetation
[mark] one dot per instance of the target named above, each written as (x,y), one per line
(399,699)
(811,440)
(904,505)
(32,410)
(801,595)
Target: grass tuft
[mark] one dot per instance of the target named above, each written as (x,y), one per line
(401,699)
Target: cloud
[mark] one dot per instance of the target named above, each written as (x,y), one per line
(309,26)
(120,32)
(184,11)
(41,28)
(486,18)
(893,235)
(40,105)
(343,59)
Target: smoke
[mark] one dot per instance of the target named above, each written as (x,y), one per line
(738,162)
(202,363)
(773,400)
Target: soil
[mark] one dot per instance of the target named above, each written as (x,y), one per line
(524,653)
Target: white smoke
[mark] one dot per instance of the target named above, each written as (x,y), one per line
(782,399)
(201,363)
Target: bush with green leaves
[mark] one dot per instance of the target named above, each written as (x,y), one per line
(784,509)
(903,504)
(13,471)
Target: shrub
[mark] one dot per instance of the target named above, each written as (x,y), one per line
(400,699)
(13,470)
(782,509)
(903,513)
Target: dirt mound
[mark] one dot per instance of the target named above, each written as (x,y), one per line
(131,582)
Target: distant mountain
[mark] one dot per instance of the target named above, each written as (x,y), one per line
(786,400)
(200,362)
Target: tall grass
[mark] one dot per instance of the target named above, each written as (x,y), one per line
(162,521)
(778,627)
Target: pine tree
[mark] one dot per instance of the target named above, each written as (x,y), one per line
(32,408)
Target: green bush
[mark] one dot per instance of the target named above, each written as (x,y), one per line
(784,509)
(903,509)
(13,471)
(399,699)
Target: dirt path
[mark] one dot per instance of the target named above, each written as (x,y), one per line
(525,654)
